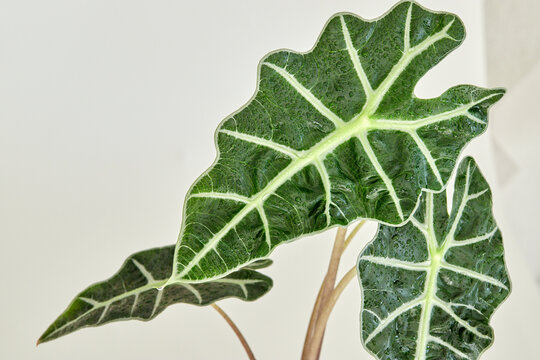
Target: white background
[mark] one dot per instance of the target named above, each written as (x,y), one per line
(107,115)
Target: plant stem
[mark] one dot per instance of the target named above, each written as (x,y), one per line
(353,233)
(318,332)
(313,341)
(325,291)
(236,331)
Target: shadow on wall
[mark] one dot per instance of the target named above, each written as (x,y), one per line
(513,61)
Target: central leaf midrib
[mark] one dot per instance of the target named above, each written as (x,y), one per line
(431,281)
(427,308)
(355,127)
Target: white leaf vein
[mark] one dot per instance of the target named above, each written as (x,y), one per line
(353,54)
(382,174)
(307,94)
(292,153)
(447,345)
(393,315)
(406,265)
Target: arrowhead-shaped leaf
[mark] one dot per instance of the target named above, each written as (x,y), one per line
(331,135)
(133,293)
(431,286)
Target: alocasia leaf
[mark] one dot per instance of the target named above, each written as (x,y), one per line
(137,291)
(331,135)
(430,287)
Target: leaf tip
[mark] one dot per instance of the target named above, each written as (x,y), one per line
(498,94)
(41,340)
(45,337)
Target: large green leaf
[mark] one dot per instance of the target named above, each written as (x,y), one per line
(137,291)
(331,135)
(431,286)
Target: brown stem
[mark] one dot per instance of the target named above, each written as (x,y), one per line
(313,342)
(318,332)
(348,240)
(324,292)
(236,331)
(312,321)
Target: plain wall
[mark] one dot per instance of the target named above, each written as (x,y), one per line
(107,115)
(514,60)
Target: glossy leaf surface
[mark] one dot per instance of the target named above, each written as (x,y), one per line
(133,293)
(431,286)
(331,135)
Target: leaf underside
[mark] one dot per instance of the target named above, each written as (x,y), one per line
(430,287)
(133,293)
(331,135)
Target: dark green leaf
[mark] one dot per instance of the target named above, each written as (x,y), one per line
(137,291)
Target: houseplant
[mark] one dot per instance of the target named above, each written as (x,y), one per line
(331,136)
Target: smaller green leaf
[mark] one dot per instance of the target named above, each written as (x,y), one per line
(137,291)
(431,286)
